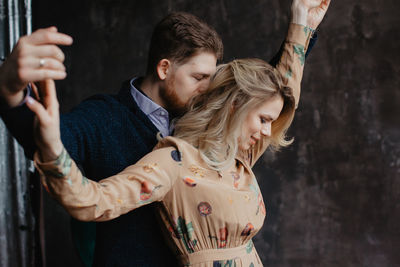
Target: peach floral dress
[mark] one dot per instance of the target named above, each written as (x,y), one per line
(209,218)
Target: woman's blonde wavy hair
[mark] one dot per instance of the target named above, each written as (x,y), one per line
(214,119)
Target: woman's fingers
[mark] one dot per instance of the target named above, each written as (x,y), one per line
(47,127)
(48,108)
(325,4)
(39,110)
(48,96)
(316,14)
(51,97)
(310,4)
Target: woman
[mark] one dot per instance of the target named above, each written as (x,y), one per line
(209,202)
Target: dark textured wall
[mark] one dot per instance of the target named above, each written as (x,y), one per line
(333,197)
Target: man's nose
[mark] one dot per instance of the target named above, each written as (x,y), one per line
(203,86)
(202,89)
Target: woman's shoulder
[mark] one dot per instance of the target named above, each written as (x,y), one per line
(171,141)
(180,149)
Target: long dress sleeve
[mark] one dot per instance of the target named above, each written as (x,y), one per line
(290,66)
(145,182)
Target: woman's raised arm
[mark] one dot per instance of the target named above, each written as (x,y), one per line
(306,16)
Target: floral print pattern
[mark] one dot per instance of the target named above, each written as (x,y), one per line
(204,208)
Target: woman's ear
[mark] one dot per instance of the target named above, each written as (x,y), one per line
(163,67)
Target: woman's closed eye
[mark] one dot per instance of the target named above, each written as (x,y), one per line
(264,120)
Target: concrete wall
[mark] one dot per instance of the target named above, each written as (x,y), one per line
(332,197)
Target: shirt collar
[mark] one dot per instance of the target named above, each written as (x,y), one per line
(144,103)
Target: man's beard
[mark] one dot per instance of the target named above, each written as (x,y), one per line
(174,105)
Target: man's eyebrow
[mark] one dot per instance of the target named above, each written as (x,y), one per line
(204,74)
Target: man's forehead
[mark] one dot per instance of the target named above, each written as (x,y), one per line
(204,62)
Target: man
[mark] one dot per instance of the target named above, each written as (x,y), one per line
(104,134)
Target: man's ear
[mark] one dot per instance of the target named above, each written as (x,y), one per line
(234,105)
(163,67)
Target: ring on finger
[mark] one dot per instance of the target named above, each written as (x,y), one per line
(42,61)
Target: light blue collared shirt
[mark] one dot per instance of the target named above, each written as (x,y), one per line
(157,114)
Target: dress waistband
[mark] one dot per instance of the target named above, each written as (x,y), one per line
(216,254)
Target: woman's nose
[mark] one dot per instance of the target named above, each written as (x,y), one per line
(266,130)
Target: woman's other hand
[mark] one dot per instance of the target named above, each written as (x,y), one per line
(47,121)
(309,12)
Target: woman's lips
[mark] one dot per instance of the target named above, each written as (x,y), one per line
(253,141)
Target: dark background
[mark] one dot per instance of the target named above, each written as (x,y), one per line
(332,198)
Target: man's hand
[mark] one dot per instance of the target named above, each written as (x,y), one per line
(47,121)
(35,57)
(309,12)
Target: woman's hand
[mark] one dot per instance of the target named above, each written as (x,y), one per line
(309,12)
(47,121)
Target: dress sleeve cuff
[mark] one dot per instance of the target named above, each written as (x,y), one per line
(299,34)
(58,168)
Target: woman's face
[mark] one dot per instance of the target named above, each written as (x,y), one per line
(258,122)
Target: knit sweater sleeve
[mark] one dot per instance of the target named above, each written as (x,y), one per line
(147,181)
(78,127)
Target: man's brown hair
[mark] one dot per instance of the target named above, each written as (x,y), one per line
(180,36)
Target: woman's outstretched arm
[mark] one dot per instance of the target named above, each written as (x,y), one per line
(145,182)
(149,180)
